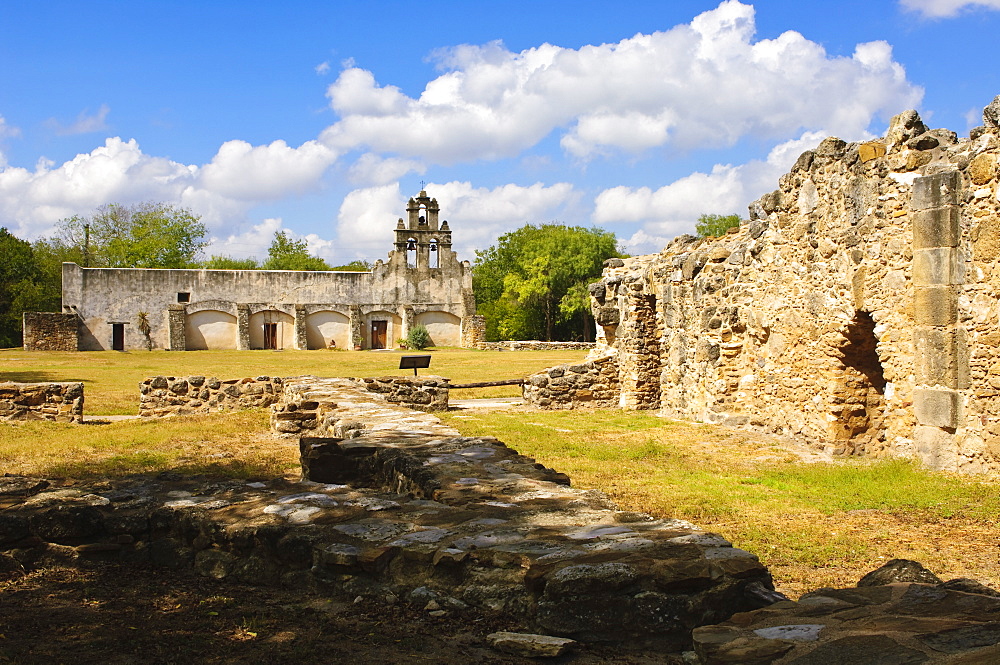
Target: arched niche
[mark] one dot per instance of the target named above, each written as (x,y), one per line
(271,329)
(326,325)
(445,329)
(210,329)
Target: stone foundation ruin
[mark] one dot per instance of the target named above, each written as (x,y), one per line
(427,514)
(857,307)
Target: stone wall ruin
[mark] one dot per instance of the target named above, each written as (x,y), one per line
(858,306)
(58,402)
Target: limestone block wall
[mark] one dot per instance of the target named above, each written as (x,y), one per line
(50,331)
(59,402)
(169,396)
(593,383)
(424,393)
(857,305)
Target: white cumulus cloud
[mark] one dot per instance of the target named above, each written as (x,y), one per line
(240,170)
(947,8)
(674,208)
(703,84)
(238,177)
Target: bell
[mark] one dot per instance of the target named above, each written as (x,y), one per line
(411,244)
(434,247)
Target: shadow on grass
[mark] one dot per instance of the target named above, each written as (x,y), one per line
(38,376)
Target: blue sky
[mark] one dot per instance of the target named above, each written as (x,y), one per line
(322,118)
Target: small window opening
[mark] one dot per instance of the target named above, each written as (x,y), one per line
(183,297)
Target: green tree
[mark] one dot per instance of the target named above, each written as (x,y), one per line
(22,287)
(715,225)
(532,282)
(356,265)
(142,235)
(217,262)
(287,254)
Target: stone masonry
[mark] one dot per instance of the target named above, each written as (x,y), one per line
(593,383)
(170,396)
(59,402)
(50,331)
(857,306)
(428,514)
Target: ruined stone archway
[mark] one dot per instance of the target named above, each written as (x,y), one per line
(858,392)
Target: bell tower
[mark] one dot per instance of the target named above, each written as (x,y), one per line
(421,240)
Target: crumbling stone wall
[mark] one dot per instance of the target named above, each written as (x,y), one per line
(170,396)
(593,383)
(50,331)
(59,402)
(857,306)
(425,393)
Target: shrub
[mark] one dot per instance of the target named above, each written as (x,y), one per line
(715,225)
(418,338)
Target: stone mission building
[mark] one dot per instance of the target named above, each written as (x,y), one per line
(421,282)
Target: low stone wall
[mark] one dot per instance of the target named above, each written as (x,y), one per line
(593,383)
(426,393)
(51,331)
(170,396)
(534,345)
(59,402)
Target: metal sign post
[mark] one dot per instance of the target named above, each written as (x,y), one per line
(413,362)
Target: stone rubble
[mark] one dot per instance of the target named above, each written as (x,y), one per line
(905,623)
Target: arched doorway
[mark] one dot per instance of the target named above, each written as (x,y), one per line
(271,329)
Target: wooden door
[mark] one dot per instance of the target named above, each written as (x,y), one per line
(118,336)
(378,334)
(271,336)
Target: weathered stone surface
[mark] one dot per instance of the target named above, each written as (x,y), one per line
(899,570)
(162,396)
(60,402)
(50,331)
(529,645)
(900,623)
(983,168)
(936,227)
(991,114)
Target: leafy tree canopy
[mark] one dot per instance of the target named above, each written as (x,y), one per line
(23,287)
(288,254)
(715,225)
(141,235)
(356,265)
(532,284)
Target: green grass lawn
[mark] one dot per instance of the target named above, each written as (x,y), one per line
(111,378)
